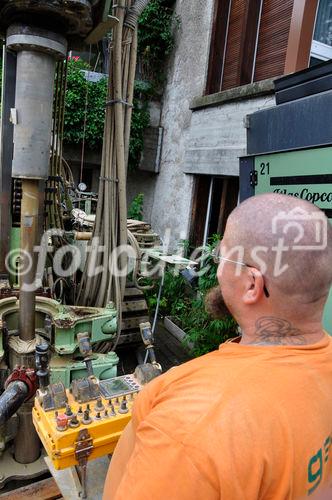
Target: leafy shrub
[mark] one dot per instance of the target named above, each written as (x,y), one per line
(188,311)
(155,38)
(135,209)
(77,90)
(139,121)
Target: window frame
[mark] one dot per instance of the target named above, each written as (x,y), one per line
(219,42)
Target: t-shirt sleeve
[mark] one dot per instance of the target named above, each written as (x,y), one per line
(160,468)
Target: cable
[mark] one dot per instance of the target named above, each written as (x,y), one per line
(85,118)
(161,286)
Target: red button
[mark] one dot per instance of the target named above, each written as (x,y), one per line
(62,422)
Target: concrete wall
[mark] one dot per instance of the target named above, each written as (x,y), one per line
(168,194)
(217,136)
(201,135)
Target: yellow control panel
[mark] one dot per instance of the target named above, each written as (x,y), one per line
(74,428)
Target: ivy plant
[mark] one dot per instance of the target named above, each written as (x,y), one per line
(156,39)
(155,42)
(78,91)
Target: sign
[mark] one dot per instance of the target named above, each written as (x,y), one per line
(304,174)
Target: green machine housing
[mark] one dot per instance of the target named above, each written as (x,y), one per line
(59,325)
(290,145)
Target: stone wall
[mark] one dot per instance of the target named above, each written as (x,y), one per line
(218,136)
(202,135)
(168,194)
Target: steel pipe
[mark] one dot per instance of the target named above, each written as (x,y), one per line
(29,236)
(26,444)
(11,399)
(33,105)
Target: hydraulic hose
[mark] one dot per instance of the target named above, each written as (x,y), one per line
(11,399)
(134,12)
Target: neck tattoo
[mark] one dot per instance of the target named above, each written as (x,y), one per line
(277,331)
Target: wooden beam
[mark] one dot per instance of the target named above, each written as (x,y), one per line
(40,490)
(217,46)
(221,218)
(248,41)
(300,35)
(199,208)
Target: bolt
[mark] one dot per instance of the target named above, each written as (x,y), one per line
(106,414)
(98,417)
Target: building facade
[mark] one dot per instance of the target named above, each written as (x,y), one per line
(228,54)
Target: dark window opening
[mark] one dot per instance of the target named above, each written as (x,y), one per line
(214,199)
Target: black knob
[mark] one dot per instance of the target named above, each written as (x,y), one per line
(42,359)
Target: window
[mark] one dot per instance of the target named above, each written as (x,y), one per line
(249,42)
(321,48)
(214,199)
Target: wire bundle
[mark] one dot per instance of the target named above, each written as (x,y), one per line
(110,230)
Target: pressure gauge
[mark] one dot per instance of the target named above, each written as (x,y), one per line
(82,186)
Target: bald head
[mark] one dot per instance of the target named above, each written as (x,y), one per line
(289,240)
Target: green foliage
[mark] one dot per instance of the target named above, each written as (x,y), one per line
(155,38)
(78,88)
(135,210)
(187,307)
(155,42)
(139,121)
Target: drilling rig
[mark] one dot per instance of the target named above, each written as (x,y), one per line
(45,342)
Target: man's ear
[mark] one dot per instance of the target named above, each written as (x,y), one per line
(254,286)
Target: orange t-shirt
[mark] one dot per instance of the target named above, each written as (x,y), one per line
(241,423)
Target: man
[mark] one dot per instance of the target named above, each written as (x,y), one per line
(252,420)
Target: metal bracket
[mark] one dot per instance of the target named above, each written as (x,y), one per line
(83,447)
(253,178)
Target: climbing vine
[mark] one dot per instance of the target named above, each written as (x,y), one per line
(156,28)
(155,43)
(78,88)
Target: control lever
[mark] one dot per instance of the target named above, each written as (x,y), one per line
(85,348)
(147,337)
(42,361)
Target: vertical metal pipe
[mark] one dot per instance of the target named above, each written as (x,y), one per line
(29,234)
(26,444)
(33,102)
(32,137)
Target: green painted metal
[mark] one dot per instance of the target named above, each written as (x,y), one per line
(275,170)
(66,369)
(66,321)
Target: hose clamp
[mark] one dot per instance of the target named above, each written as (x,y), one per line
(25,375)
